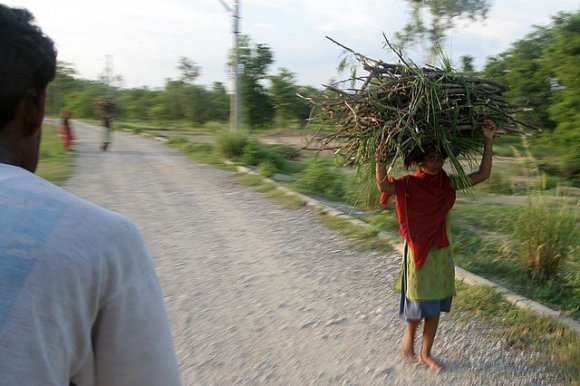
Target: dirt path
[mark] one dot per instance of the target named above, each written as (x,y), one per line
(259,294)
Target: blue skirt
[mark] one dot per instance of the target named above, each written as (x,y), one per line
(419,309)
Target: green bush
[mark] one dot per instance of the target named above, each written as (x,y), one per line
(267,169)
(361,189)
(558,154)
(497,183)
(55,162)
(571,163)
(508,145)
(255,152)
(176,141)
(321,177)
(544,237)
(215,127)
(231,145)
(198,148)
(288,152)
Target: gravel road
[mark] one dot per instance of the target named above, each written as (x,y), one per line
(260,294)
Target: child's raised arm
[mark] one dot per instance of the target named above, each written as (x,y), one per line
(383,180)
(489,130)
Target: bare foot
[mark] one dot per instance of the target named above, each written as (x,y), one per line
(430,362)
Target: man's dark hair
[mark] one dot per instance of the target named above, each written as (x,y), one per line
(27,60)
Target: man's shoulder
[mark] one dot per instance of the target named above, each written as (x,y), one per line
(28,195)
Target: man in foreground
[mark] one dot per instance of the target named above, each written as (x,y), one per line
(80,303)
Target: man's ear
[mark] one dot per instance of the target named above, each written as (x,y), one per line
(33,108)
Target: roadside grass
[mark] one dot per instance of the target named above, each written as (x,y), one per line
(200,152)
(480,234)
(288,201)
(361,238)
(55,163)
(558,345)
(168,128)
(271,191)
(507,145)
(265,187)
(385,219)
(251,179)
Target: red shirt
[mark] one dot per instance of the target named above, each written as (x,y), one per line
(422,203)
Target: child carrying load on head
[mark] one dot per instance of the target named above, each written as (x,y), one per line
(427,277)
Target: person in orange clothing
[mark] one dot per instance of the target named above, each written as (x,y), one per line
(66,131)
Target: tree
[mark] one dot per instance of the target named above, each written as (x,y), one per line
(543,75)
(257,109)
(190,71)
(467,64)
(289,107)
(523,69)
(63,83)
(442,15)
(135,103)
(220,103)
(562,56)
(283,91)
(81,101)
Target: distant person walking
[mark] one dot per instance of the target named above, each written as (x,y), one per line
(66,131)
(107,135)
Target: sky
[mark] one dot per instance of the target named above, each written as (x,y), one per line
(142,41)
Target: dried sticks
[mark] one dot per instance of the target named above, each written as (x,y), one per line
(397,108)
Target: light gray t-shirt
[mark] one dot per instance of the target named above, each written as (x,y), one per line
(79,299)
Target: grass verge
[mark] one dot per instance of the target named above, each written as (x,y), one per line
(271,191)
(481,231)
(169,127)
(55,163)
(205,153)
(361,238)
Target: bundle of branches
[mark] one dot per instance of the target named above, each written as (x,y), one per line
(400,108)
(105,106)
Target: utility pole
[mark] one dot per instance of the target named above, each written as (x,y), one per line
(235,100)
(108,73)
(106,101)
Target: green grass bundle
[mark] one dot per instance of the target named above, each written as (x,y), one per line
(105,106)
(399,108)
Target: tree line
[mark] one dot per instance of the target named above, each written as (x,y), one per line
(541,70)
(266,100)
(543,74)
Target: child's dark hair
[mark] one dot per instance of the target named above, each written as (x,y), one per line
(416,155)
